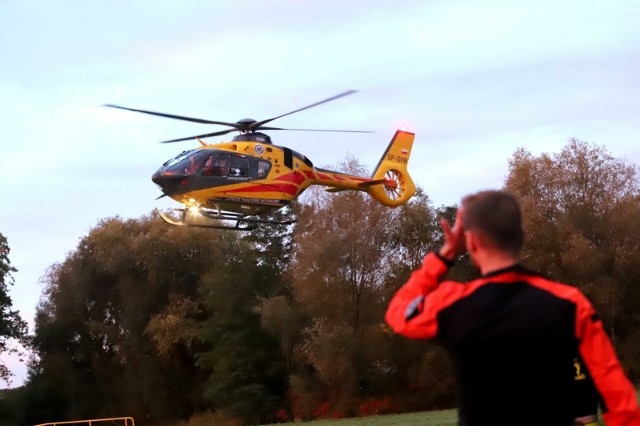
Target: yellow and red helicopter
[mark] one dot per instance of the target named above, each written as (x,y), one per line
(249,176)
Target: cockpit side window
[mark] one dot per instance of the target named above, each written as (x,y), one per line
(194,163)
(239,166)
(215,166)
(263,168)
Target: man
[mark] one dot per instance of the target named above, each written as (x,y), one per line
(513,334)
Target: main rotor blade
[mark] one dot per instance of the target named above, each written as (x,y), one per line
(221,132)
(177,117)
(260,123)
(316,130)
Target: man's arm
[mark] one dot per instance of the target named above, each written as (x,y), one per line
(406,312)
(617,393)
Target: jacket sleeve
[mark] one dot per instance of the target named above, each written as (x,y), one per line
(620,404)
(407,314)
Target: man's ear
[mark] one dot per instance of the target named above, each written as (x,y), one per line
(470,240)
(476,239)
(482,241)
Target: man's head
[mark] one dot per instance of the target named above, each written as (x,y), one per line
(494,217)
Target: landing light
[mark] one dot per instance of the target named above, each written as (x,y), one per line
(192,206)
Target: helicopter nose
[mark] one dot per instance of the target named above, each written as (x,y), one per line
(158,178)
(166,181)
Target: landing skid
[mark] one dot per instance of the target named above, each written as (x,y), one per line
(242,223)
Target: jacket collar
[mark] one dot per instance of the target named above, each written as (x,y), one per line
(516,267)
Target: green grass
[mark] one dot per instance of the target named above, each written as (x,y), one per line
(427,418)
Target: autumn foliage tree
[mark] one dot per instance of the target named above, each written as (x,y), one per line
(158,322)
(93,337)
(336,274)
(349,254)
(581,217)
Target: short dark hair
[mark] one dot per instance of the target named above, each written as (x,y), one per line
(497,214)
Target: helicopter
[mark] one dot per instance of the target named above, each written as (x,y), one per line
(249,177)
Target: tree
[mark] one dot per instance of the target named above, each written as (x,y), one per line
(580,217)
(329,313)
(95,337)
(159,322)
(415,230)
(418,372)
(349,254)
(246,376)
(12,326)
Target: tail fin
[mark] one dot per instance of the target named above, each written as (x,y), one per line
(392,167)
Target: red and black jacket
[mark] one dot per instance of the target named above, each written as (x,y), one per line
(514,336)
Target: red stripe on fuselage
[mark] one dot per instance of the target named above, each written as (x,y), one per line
(294,177)
(272,187)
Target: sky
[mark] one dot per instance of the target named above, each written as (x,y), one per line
(473,79)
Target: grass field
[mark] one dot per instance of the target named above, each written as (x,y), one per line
(428,418)
(425,418)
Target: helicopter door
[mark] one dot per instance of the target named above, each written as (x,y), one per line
(239,166)
(288,157)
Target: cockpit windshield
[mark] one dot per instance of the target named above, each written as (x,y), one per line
(215,163)
(178,158)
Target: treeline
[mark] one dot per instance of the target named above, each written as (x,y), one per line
(160,323)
